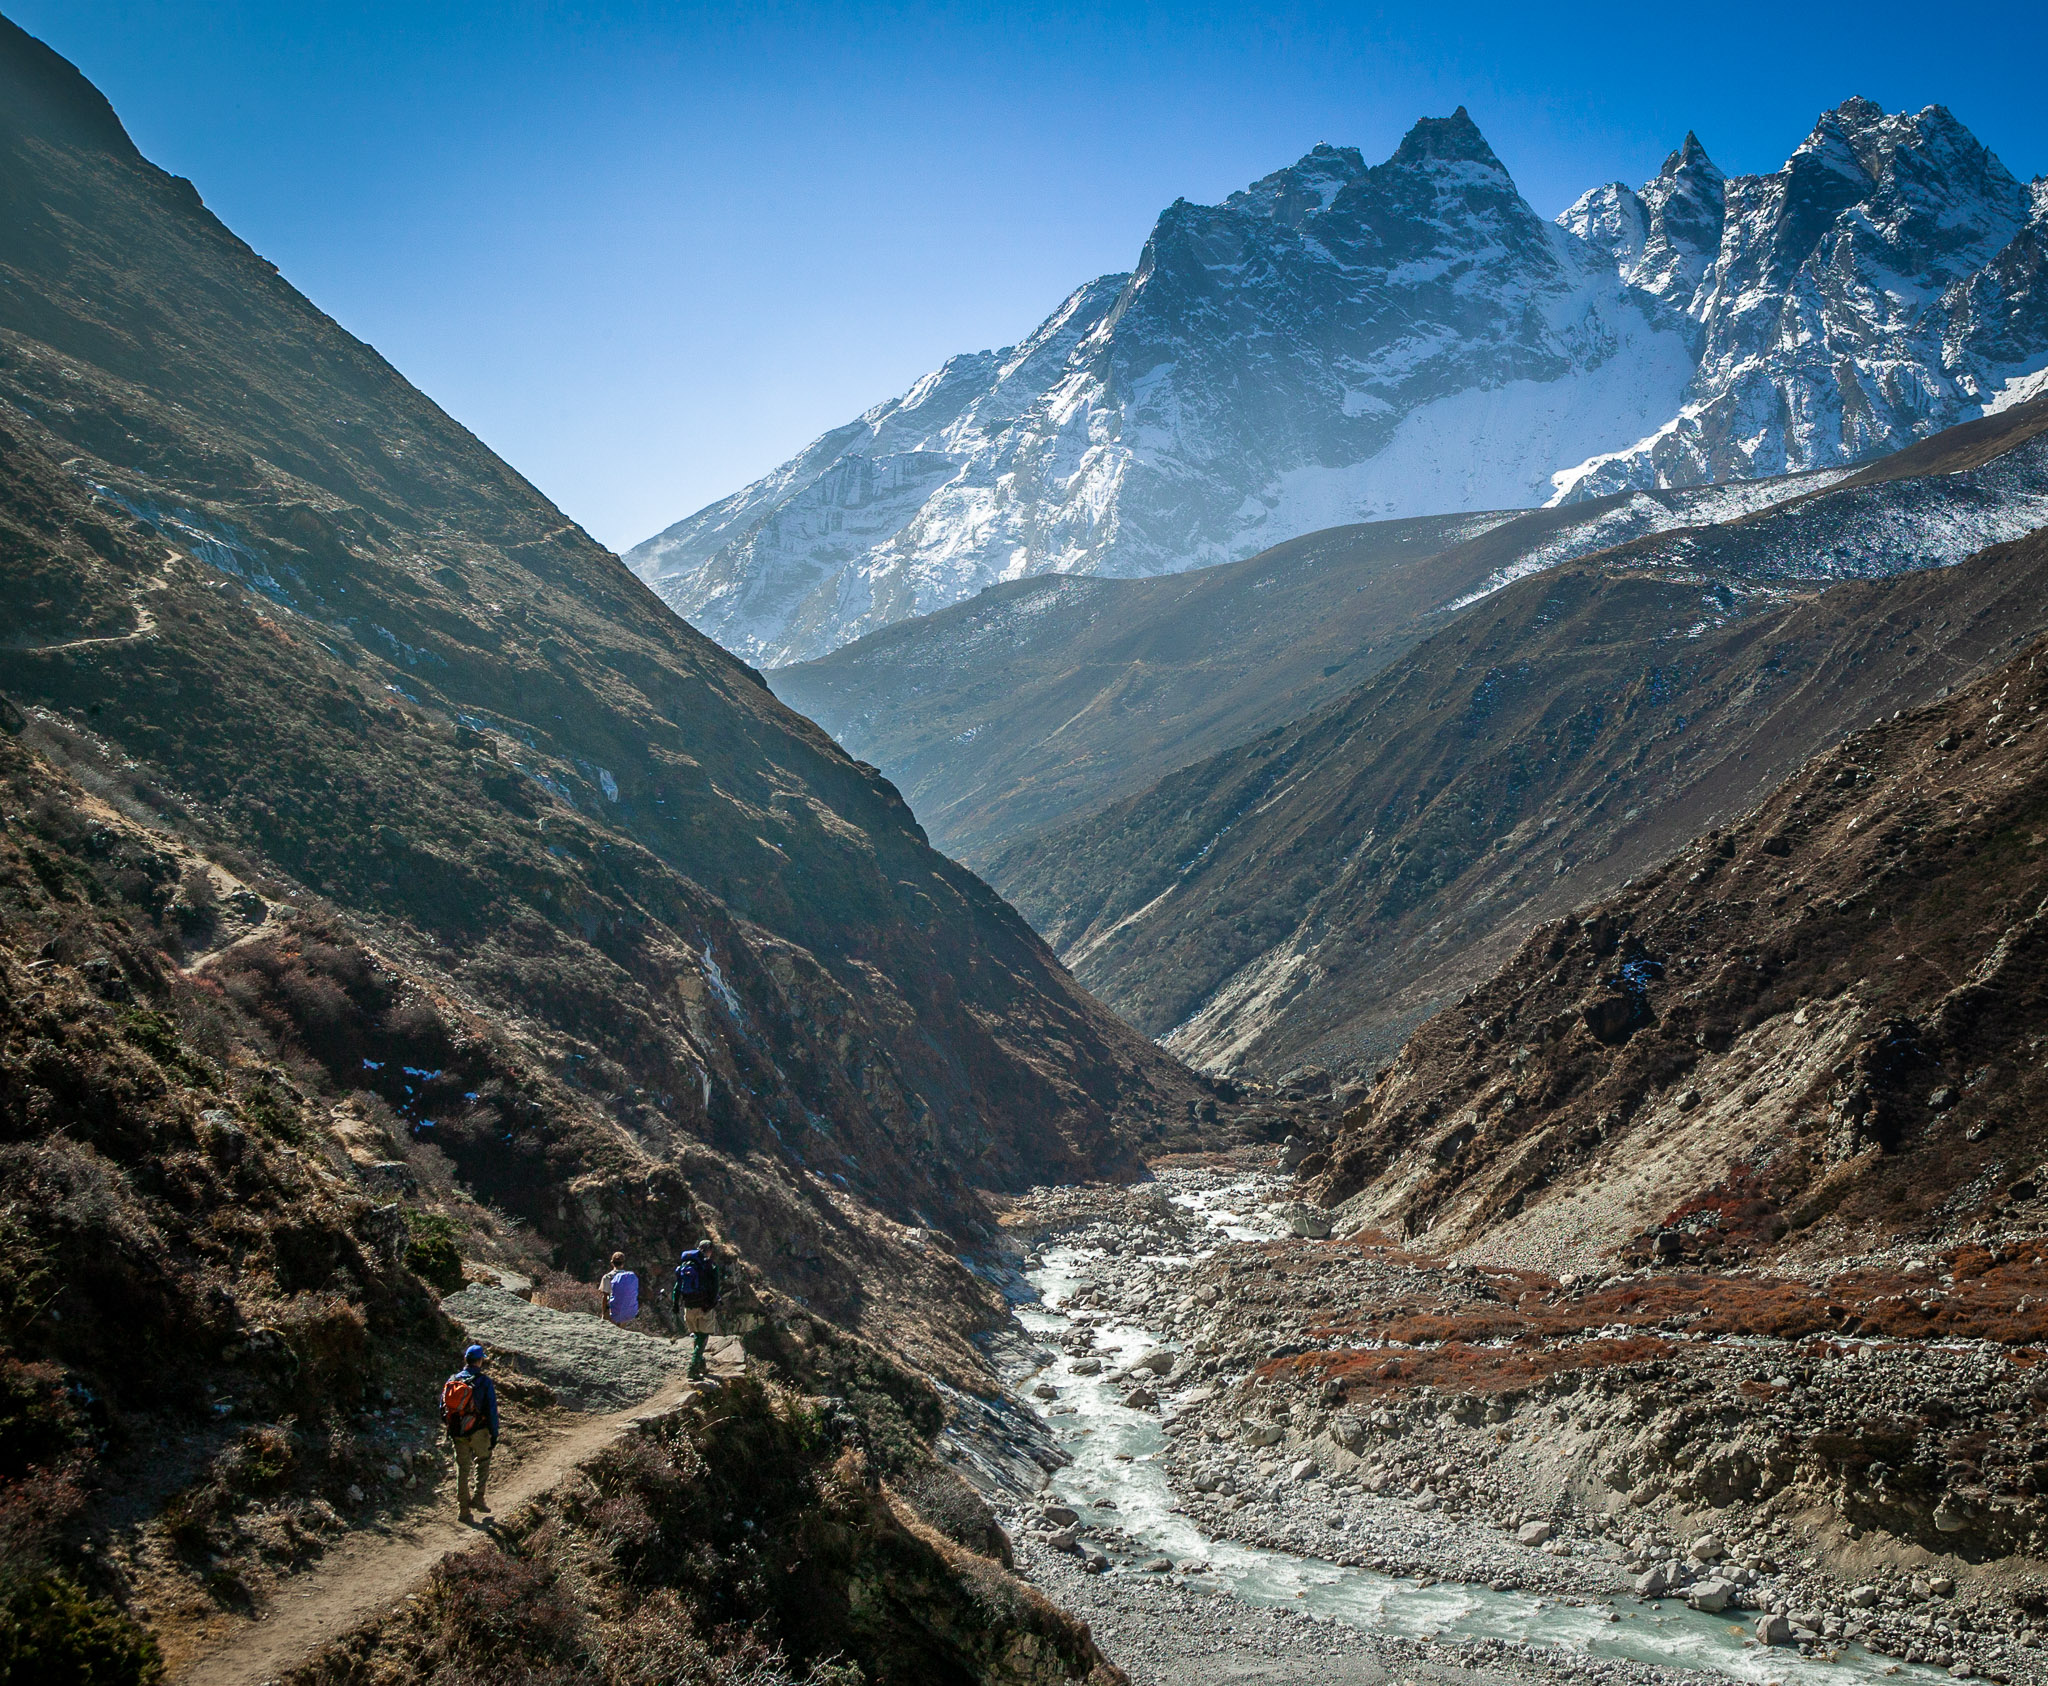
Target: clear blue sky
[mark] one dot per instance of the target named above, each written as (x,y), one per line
(647,252)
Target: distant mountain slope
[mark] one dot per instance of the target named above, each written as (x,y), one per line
(1043,698)
(267,596)
(1815,1030)
(1316,891)
(1342,343)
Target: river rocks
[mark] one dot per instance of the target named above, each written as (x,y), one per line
(1773,1629)
(1532,1533)
(1707,1549)
(1652,1583)
(1713,1596)
(1263,1434)
(1304,1470)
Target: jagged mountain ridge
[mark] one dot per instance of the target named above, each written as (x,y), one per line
(1312,893)
(1344,342)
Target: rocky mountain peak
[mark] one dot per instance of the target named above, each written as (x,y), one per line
(1690,156)
(1304,188)
(1663,235)
(1450,140)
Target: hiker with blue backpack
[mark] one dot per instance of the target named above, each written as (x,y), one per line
(621,1290)
(469,1411)
(695,1294)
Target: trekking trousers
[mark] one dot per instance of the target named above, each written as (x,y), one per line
(472,1451)
(700,1324)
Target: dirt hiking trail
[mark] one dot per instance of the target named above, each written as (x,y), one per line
(588,1362)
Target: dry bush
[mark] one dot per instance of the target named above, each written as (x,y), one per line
(493,1609)
(559,1291)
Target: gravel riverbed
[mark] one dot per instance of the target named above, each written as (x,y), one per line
(1506,1531)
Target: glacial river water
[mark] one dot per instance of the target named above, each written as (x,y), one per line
(1118,1455)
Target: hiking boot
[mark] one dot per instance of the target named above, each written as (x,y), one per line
(464,1516)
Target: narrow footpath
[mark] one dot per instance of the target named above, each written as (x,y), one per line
(638,1376)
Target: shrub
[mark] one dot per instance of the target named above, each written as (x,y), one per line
(431,1254)
(157,1037)
(37,1422)
(273,1113)
(55,1635)
(262,1460)
(492,1608)
(188,1519)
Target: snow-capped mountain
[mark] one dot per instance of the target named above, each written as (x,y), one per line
(1342,341)
(1882,285)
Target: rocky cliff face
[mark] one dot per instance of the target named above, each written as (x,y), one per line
(1823,1016)
(1345,342)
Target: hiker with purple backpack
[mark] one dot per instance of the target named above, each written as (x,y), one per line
(621,1289)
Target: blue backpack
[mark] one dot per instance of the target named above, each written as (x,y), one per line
(697,1281)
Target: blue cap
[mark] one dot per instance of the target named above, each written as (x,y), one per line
(475,1355)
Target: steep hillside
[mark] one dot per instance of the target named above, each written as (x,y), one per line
(1317,891)
(245,553)
(1817,1029)
(1344,342)
(393,889)
(1042,698)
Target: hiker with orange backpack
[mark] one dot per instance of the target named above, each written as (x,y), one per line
(469,1411)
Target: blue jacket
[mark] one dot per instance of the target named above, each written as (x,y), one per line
(488,1389)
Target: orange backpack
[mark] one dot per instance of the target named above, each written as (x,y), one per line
(458,1405)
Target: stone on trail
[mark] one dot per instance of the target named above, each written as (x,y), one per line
(591,1364)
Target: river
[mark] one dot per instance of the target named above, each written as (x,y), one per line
(1118,1455)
